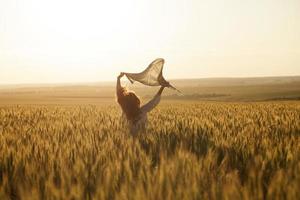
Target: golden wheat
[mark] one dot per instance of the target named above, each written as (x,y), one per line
(189,151)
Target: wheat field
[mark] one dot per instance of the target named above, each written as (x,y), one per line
(190,150)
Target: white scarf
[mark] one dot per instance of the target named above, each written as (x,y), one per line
(151,76)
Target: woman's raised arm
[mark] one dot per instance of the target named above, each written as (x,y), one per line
(160,90)
(119,87)
(153,102)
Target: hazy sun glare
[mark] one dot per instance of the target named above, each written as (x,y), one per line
(78,41)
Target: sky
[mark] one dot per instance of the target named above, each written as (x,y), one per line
(62,41)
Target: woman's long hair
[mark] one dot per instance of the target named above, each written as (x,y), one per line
(129,103)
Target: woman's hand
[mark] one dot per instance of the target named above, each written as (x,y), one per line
(121,75)
(165,84)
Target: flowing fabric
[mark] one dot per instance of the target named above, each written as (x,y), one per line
(152,75)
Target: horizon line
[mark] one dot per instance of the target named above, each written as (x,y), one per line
(172,79)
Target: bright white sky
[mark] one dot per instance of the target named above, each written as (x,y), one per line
(45,41)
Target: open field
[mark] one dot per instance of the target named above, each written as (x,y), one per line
(211,89)
(70,143)
(190,151)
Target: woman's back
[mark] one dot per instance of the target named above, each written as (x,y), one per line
(130,104)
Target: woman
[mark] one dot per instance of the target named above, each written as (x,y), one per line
(131,106)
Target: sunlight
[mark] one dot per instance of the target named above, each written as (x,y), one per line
(81,41)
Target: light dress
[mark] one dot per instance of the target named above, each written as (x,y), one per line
(140,123)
